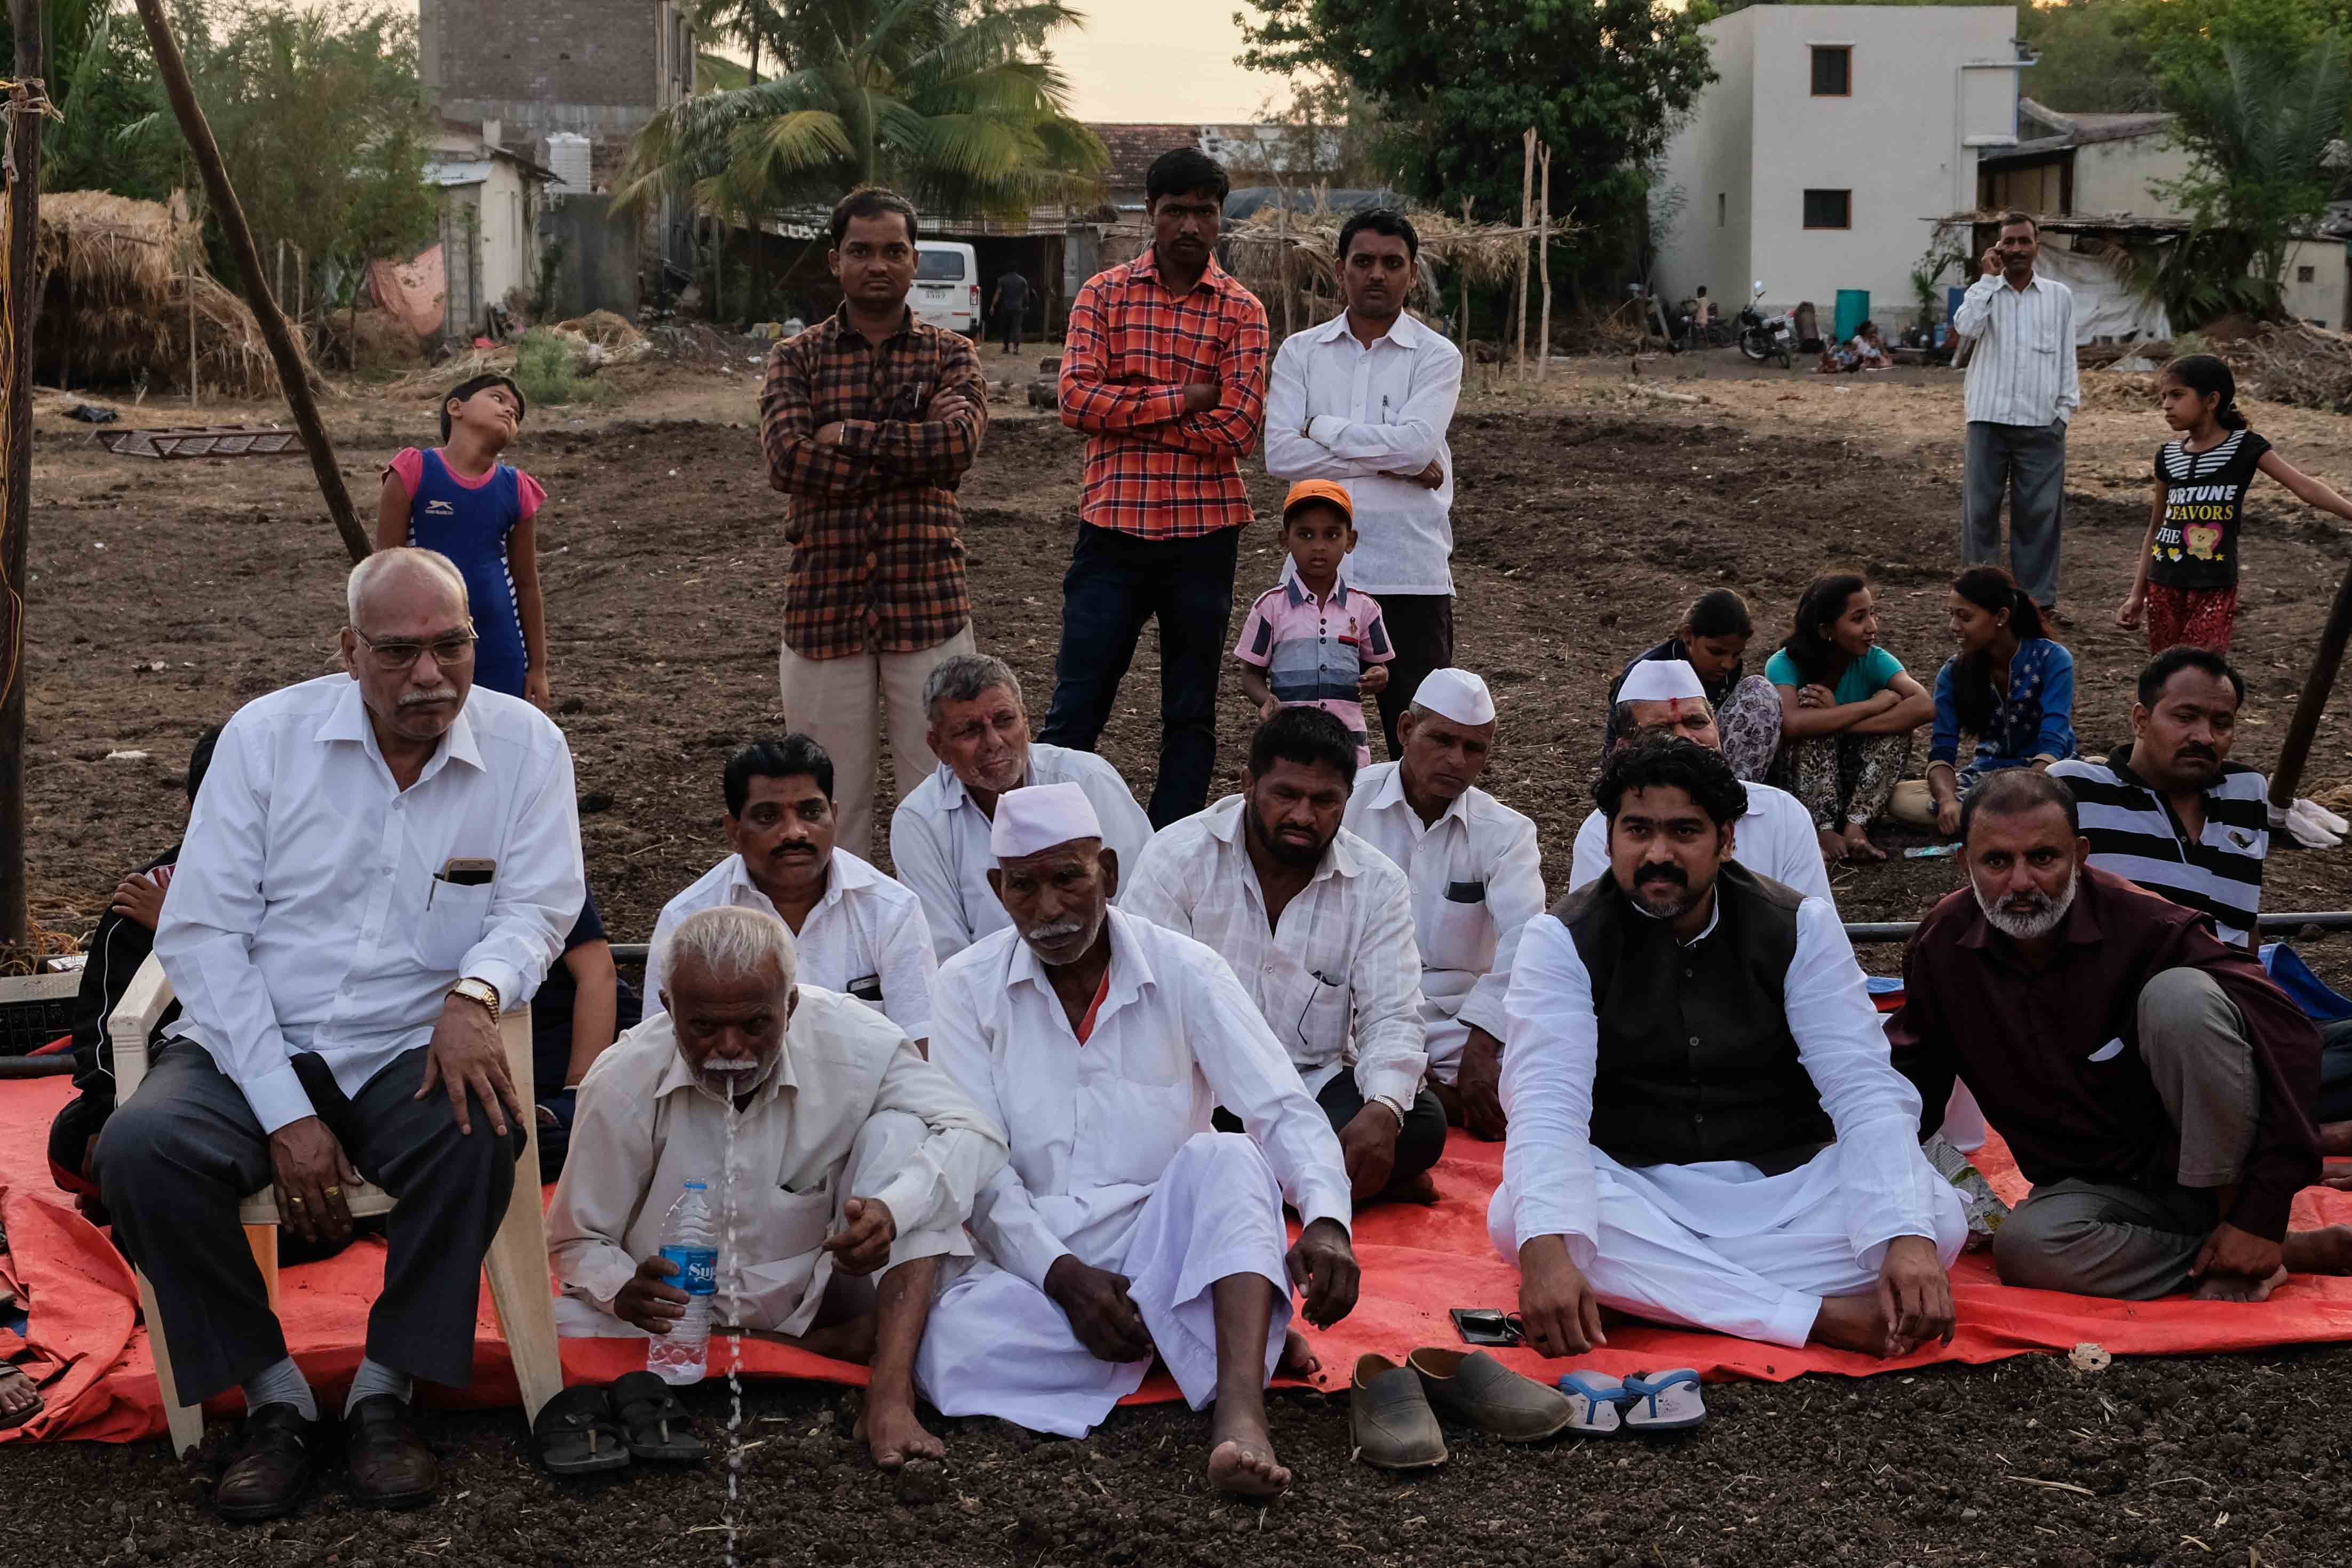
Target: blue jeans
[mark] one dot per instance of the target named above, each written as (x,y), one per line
(1117,583)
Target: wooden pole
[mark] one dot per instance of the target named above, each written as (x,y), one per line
(23,173)
(303,290)
(2317,687)
(196,398)
(1543,256)
(1527,216)
(293,373)
(1469,359)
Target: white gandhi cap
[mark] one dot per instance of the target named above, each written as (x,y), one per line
(1661,681)
(1456,694)
(1033,820)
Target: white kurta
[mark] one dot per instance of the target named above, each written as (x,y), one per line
(1718,1245)
(866,937)
(1114,1161)
(1477,880)
(1338,979)
(1776,838)
(850,1110)
(939,842)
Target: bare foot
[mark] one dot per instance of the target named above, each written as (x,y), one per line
(850,1341)
(1832,845)
(1422,1189)
(1299,1358)
(2327,1250)
(1858,846)
(893,1435)
(17,1394)
(2238,1287)
(1857,1322)
(2336,1139)
(1241,1463)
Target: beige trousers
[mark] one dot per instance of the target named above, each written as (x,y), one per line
(833,700)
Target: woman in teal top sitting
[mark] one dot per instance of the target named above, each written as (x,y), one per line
(1847,713)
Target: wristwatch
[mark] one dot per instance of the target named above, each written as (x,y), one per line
(480,991)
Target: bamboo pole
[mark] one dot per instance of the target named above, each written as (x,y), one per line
(292,373)
(196,398)
(2326,659)
(23,173)
(1527,216)
(1470,360)
(1543,255)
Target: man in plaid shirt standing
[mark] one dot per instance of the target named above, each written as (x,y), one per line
(1164,368)
(869,420)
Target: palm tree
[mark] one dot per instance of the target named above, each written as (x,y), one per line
(954,102)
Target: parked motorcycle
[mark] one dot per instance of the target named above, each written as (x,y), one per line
(1763,337)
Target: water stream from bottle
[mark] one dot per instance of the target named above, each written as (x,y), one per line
(730,1271)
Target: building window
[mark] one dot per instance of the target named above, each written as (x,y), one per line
(2306,274)
(1828,209)
(1833,70)
(1722,209)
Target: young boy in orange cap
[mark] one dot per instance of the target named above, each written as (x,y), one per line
(1310,640)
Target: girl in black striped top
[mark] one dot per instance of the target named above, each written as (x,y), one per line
(2186,585)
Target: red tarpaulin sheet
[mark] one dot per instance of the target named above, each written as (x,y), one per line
(1417,1263)
(416,291)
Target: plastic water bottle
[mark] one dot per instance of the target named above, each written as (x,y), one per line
(689,1239)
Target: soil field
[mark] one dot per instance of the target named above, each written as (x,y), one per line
(1590,512)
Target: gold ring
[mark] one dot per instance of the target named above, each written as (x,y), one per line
(296,1202)
(334,1192)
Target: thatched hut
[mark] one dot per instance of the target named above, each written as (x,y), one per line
(122,283)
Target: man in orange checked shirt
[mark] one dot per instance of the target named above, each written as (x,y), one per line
(1164,368)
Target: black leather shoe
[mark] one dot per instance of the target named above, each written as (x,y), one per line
(391,1465)
(272,1467)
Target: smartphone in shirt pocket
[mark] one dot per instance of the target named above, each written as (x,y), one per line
(457,907)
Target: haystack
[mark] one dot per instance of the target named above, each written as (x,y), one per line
(1271,251)
(117,276)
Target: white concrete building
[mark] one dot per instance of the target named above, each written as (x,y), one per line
(490,205)
(1833,132)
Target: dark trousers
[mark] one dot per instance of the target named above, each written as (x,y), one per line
(1419,1146)
(175,1161)
(1117,583)
(1420,629)
(1008,325)
(2026,463)
(2335,1071)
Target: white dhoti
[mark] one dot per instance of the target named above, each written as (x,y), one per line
(1726,1247)
(997,1346)
(797,1290)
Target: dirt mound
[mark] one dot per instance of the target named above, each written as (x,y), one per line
(2294,362)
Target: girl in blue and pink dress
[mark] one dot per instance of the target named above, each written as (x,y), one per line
(460,500)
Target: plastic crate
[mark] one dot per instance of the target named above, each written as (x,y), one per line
(35,1009)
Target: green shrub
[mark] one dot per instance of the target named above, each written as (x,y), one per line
(547,367)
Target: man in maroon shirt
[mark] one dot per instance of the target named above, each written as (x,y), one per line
(2154,1085)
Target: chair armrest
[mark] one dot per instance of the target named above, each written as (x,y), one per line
(514,1032)
(133,1021)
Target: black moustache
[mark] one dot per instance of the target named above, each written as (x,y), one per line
(1673,874)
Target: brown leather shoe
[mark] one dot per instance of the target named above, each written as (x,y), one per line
(1476,1388)
(391,1465)
(272,1467)
(1390,1419)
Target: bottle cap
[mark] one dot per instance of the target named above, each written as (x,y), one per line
(698,1187)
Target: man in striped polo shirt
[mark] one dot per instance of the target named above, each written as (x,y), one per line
(2170,812)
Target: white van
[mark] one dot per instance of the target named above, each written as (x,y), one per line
(947,287)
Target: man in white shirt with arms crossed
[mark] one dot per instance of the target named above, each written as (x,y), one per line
(379,864)
(2023,389)
(1366,399)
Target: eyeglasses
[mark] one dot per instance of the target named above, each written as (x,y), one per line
(394,656)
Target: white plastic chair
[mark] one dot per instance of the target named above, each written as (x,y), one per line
(517,1261)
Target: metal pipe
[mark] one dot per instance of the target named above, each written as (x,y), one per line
(1855,930)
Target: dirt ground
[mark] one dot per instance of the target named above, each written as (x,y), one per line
(1591,510)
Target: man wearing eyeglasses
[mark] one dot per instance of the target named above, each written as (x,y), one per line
(380,863)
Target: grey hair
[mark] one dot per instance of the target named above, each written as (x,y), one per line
(384,563)
(963,678)
(1622,722)
(733,944)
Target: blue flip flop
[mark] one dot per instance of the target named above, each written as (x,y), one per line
(1600,1401)
(1663,1401)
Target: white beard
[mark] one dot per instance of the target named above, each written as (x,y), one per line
(2027,928)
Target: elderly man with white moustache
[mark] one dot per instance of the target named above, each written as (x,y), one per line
(1662,699)
(1476,877)
(1124,1227)
(852,1157)
(939,837)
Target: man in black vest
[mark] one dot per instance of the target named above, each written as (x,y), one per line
(1705,1128)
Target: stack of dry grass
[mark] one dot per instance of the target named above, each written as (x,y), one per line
(118,279)
(605,328)
(2294,362)
(1271,251)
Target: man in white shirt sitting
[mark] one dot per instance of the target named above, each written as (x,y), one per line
(379,864)
(1662,700)
(856,930)
(851,1155)
(939,838)
(1319,924)
(1708,1128)
(1476,876)
(1124,1227)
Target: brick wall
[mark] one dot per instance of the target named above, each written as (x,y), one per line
(546,51)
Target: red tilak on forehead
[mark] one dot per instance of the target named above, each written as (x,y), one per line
(1675,708)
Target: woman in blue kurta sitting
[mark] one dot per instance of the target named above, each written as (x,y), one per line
(2009,685)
